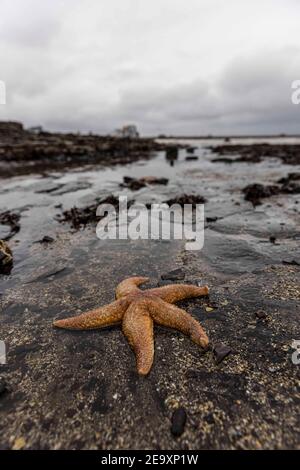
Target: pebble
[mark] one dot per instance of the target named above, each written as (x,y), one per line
(46,239)
(178,422)
(220,352)
(19,443)
(260,314)
(209,309)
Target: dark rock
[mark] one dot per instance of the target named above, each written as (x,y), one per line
(220,352)
(211,219)
(54,273)
(255,192)
(255,153)
(46,239)
(186,199)
(178,422)
(292,262)
(12,220)
(155,180)
(128,179)
(261,314)
(48,188)
(172,153)
(191,158)
(79,217)
(70,412)
(290,177)
(176,275)
(272,239)
(3,387)
(134,184)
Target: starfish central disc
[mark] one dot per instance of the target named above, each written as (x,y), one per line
(138,310)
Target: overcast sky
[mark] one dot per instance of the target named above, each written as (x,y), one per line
(169,66)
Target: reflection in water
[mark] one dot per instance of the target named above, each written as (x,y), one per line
(171,155)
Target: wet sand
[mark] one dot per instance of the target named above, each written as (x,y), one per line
(80,390)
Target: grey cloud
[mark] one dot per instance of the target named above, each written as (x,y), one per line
(168,68)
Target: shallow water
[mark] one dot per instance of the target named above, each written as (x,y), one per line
(241,230)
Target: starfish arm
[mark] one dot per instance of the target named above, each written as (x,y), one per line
(175,292)
(130,286)
(138,329)
(100,317)
(173,317)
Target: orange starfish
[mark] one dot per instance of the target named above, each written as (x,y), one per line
(137,310)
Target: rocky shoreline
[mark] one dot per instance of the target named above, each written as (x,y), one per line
(26,152)
(80,390)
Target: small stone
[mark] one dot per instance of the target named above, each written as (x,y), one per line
(220,352)
(178,422)
(191,158)
(46,239)
(260,314)
(19,443)
(292,262)
(176,275)
(209,309)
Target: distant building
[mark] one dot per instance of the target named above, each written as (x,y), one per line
(11,129)
(35,129)
(129,131)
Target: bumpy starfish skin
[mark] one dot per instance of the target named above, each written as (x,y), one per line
(137,310)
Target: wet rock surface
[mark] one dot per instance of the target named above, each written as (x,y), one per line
(65,389)
(255,153)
